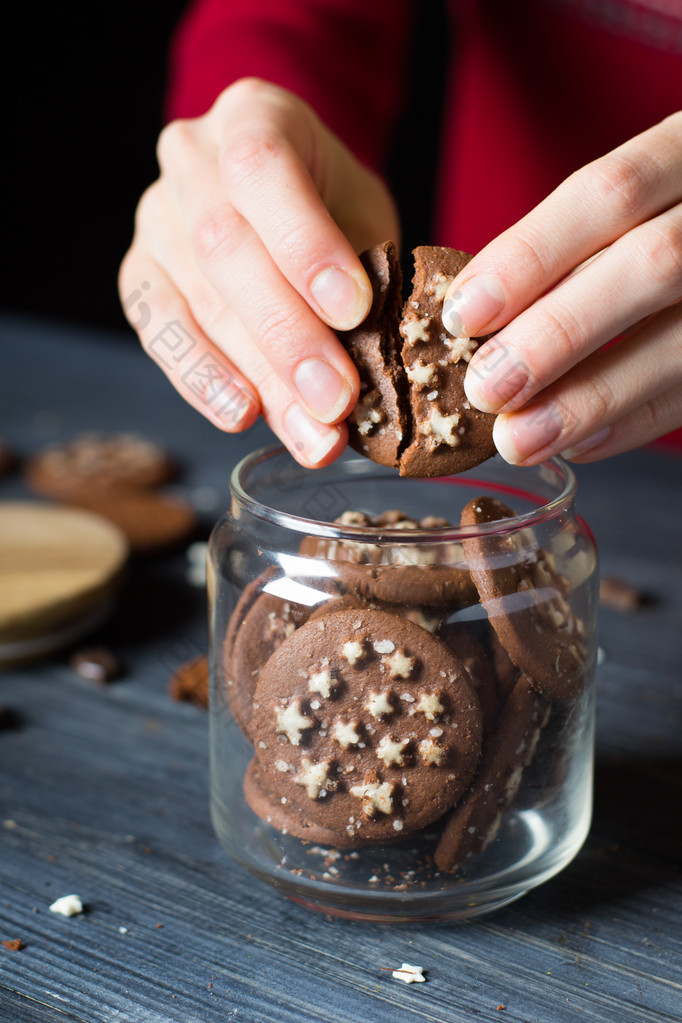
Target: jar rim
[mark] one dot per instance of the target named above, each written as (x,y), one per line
(559,469)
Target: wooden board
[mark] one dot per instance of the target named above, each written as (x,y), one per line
(56,566)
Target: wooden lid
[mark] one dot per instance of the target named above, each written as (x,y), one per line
(57,565)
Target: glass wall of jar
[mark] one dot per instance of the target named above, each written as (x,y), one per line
(402,683)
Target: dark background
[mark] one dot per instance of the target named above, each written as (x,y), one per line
(83,108)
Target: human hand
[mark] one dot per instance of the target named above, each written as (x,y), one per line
(599,258)
(244,259)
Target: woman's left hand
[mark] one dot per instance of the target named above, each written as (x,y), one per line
(600,258)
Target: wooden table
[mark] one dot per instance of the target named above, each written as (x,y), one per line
(103,791)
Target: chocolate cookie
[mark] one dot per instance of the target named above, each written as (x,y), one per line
(151,522)
(526,603)
(379,422)
(470,649)
(473,823)
(366,725)
(239,692)
(95,461)
(275,811)
(415,574)
(412,412)
(419,585)
(265,626)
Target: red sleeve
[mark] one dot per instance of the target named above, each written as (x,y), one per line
(346,58)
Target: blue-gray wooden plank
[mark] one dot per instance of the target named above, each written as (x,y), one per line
(105,792)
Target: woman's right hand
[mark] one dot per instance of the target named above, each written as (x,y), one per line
(244,259)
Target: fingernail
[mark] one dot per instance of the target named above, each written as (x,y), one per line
(521,435)
(235,410)
(588,444)
(342,301)
(494,376)
(473,306)
(310,439)
(324,391)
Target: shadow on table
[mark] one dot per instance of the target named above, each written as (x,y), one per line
(635,840)
(153,605)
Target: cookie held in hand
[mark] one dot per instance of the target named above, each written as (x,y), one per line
(413,412)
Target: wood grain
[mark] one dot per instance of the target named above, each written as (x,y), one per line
(104,792)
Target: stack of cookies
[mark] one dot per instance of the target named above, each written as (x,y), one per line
(117,476)
(411,696)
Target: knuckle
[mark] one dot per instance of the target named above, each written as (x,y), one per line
(173,142)
(216,232)
(147,212)
(208,308)
(247,94)
(563,334)
(674,121)
(660,253)
(126,274)
(279,330)
(662,412)
(619,182)
(248,155)
(249,88)
(531,260)
(599,399)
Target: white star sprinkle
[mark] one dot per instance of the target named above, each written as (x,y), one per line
(391,752)
(374,797)
(415,330)
(420,373)
(460,348)
(410,974)
(430,752)
(321,681)
(352,651)
(378,705)
(429,705)
(292,722)
(438,285)
(346,734)
(314,777)
(399,664)
(439,429)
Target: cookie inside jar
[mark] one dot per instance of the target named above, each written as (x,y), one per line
(401,701)
(385,712)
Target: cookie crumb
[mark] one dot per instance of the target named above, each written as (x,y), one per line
(96,664)
(67,905)
(14,945)
(620,595)
(410,974)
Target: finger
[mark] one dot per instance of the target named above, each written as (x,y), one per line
(606,388)
(269,140)
(587,212)
(206,375)
(650,421)
(638,275)
(304,352)
(197,369)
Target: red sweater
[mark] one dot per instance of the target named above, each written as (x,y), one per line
(535,89)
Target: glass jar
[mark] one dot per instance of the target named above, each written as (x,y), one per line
(401,706)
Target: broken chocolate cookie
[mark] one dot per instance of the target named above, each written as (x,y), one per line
(413,412)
